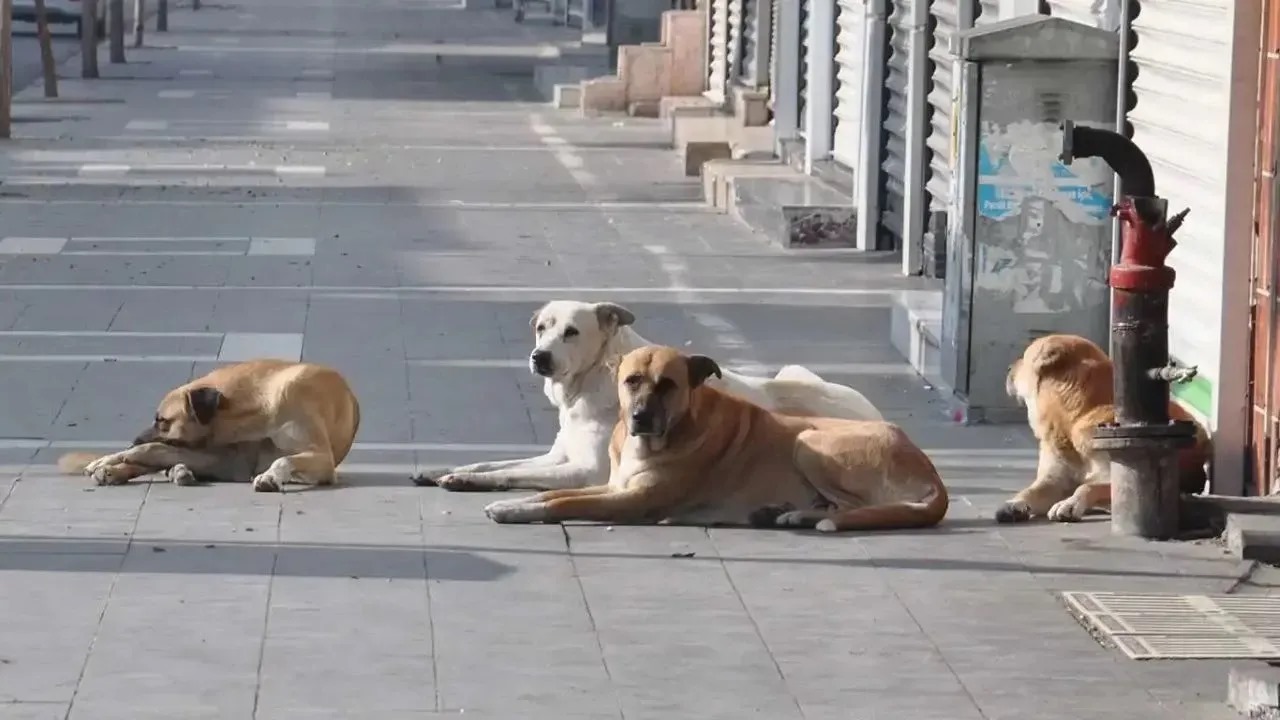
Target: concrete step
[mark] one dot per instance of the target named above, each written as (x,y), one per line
(643,108)
(794,211)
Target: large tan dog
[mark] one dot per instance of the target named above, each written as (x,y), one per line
(1066,383)
(274,421)
(687,453)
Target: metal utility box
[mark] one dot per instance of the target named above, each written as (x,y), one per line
(1029,244)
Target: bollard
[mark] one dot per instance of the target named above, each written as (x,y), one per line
(1143,443)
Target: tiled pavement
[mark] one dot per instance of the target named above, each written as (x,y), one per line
(307,177)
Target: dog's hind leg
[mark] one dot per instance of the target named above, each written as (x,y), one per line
(309,467)
(549,459)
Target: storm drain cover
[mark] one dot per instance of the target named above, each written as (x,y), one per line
(1150,627)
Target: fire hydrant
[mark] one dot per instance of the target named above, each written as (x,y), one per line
(1143,443)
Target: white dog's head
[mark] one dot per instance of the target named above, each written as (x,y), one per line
(568,336)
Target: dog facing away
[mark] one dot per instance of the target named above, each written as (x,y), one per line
(1065,381)
(684,452)
(577,347)
(269,421)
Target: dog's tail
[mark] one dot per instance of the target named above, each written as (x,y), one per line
(74,463)
(798,373)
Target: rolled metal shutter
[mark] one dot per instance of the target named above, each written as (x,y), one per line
(737,23)
(1182,49)
(750,42)
(717,77)
(948,16)
(851,33)
(802,86)
(894,157)
(774,40)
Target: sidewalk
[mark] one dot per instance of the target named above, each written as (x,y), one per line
(309,178)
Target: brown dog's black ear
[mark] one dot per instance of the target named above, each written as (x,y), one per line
(612,315)
(204,403)
(701,367)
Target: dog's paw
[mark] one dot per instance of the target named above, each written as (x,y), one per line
(513,511)
(767,516)
(181,475)
(103,463)
(826,525)
(1067,511)
(794,519)
(266,482)
(108,475)
(428,478)
(1013,512)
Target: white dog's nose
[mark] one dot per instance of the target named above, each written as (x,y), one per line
(541,362)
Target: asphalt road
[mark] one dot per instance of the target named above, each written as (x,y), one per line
(26,50)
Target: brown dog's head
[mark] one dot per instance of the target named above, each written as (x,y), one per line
(654,387)
(185,417)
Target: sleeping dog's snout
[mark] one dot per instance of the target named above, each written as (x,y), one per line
(540,362)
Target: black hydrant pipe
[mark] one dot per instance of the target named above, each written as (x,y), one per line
(1137,180)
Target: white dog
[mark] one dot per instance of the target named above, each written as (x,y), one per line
(577,348)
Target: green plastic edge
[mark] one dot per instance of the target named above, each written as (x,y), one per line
(1198,394)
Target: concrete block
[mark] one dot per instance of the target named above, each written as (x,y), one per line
(695,154)
(1253,690)
(1254,537)
(604,94)
(567,95)
(750,106)
(684,33)
(480,4)
(645,71)
(547,77)
(643,108)
(915,331)
(692,105)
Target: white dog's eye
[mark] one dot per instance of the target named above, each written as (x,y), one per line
(570,332)
(540,328)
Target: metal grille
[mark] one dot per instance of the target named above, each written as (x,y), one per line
(849,76)
(948,16)
(774,48)
(1149,626)
(737,23)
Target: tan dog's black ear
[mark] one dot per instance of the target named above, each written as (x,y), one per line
(204,403)
(612,315)
(701,367)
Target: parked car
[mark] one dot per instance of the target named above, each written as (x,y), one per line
(59,12)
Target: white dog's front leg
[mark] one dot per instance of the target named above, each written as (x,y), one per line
(547,459)
(554,477)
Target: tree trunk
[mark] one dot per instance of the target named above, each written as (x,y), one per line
(88,38)
(115,30)
(162,16)
(139,21)
(6,73)
(46,52)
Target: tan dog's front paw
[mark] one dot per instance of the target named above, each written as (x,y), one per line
(1068,510)
(267,482)
(108,475)
(181,475)
(1014,511)
(514,511)
(102,463)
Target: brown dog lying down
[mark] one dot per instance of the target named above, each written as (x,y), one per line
(272,421)
(687,453)
(1066,383)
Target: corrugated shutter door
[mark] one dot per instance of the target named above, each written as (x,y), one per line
(774,40)
(802,87)
(717,77)
(850,45)
(750,42)
(894,157)
(1183,54)
(736,23)
(946,22)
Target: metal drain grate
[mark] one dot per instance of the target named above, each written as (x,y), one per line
(1148,627)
